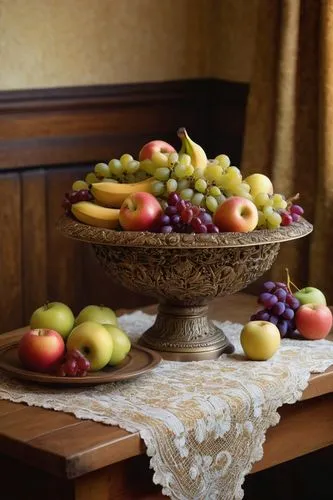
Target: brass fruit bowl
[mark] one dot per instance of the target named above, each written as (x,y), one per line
(184,272)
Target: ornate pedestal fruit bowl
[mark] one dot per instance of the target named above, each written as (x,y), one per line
(184,272)
(182,229)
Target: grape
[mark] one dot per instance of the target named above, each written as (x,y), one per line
(278,308)
(172,159)
(279,284)
(213,173)
(267,300)
(205,218)
(183,184)
(211,228)
(186,194)
(162,174)
(166,229)
(199,173)
(262,315)
(214,191)
(77,185)
(261,219)
(115,167)
(296,209)
(91,178)
(223,160)
(197,199)
(180,171)
(175,219)
(196,223)
(132,166)
(292,302)
(281,294)
(186,215)
(66,204)
(75,197)
(261,200)
(268,286)
(202,229)
(171,210)
(189,170)
(148,166)
(295,217)
(185,159)
(102,170)
(171,185)
(273,319)
(282,325)
(181,205)
(173,199)
(125,158)
(274,220)
(211,204)
(159,159)
(157,188)
(164,220)
(286,219)
(200,185)
(288,313)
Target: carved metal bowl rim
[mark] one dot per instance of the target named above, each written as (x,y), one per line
(71,228)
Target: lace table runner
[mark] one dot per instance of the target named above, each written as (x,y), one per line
(203,422)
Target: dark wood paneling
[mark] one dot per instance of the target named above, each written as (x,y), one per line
(50,137)
(11,300)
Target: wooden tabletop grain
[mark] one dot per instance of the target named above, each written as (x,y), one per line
(67,447)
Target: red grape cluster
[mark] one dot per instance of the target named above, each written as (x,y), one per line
(279,307)
(181,216)
(74,364)
(75,197)
(291,214)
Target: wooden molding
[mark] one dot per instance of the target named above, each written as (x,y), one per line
(76,125)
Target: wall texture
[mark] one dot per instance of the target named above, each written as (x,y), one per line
(57,43)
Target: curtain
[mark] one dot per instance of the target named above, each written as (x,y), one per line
(289,127)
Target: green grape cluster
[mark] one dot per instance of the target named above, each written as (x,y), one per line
(268,207)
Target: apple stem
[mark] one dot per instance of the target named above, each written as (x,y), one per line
(46,305)
(290,283)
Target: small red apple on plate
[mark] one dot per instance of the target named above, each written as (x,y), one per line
(139,212)
(152,147)
(41,349)
(236,214)
(314,321)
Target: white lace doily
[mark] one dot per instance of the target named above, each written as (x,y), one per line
(203,422)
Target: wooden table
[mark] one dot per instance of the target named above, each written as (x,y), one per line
(53,455)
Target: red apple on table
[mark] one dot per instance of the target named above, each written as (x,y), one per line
(314,321)
(139,212)
(41,349)
(236,214)
(152,147)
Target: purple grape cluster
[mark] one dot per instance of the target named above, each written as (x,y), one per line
(75,197)
(181,216)
(279,307)
(292,214)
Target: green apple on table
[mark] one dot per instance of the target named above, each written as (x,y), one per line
(260,340)
(310,295)
(98,314)
(121,344)
(93,341)
(53,316)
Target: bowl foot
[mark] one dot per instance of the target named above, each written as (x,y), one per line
(184,333)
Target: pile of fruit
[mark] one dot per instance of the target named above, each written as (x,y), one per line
(168,191)
(60,344)
(301,314)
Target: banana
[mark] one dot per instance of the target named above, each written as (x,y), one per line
(109,194)
(95,215)
(196,152)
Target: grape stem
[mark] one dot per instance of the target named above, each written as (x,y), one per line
(290,283)
(293,198)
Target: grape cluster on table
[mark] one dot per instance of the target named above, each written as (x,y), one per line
(182,216)
(279,307)
(74,364)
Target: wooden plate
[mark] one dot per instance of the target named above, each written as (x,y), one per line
(139,360)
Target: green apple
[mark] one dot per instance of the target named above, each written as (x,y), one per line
(98,314)
(260,340)
(94,341)
(310,295)
(121,344)
(53,316)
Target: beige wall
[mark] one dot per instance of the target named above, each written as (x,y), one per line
(49,43)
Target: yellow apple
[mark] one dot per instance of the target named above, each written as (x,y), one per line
(94,341)
(121,344)
(260,340)
(259,183)
(98,314)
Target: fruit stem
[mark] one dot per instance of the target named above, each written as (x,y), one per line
(46,305)
(293,198)
(289,282)
(181,132)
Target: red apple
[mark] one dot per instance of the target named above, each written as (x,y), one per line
(41,349)
(314,321)
(236,214)
(151,147)
(139,211)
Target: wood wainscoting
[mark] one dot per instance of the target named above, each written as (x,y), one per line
(49,138)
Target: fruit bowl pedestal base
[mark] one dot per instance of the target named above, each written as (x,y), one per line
(185,334)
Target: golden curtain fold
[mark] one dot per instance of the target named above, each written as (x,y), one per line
(289,125)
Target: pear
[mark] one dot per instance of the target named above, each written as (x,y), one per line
(196,152)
